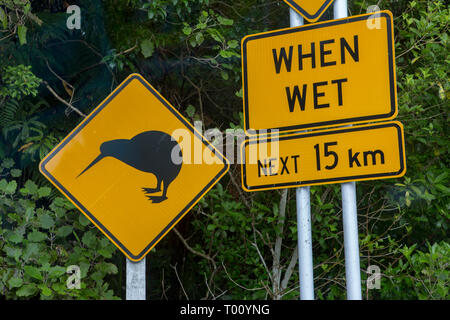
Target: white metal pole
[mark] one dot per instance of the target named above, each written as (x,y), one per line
(295,19)
(135,280)
(349,212)
(340,9)
(305,259)
(351,245)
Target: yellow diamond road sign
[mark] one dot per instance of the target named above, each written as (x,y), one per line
(311,10)
(366,152)
(324,74)
(128,167)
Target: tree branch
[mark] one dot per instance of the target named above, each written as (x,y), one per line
(53,92)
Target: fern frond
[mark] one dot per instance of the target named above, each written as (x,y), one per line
(7,112)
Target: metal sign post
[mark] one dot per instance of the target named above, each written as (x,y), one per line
(305,259)
(349,213)
(135,289)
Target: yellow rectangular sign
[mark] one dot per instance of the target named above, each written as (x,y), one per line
(324,74)
(311,10)
(365,152)
(128,166)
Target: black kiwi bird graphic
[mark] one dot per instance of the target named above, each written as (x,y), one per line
(149,151)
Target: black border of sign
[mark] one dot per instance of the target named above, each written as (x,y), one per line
(392,84)
(255,140)
(305,14)
(92,116)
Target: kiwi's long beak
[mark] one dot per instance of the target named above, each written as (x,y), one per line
(100,157)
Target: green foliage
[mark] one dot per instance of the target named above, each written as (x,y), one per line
(422,63)
(418,275)
(38,243)
(14,15)
(18,81)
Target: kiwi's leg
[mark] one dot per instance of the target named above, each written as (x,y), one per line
(158,199)
(153,190)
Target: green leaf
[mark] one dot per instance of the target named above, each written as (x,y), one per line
(15,173)
(215,34)
(46,221)
(37,236)
(441,177)
(44,192)
(192,42)
(8,163)
(3,19)
(27,290)
(31,251)
(108,268)
(83,220)
(11,187)
(443,188)
(224,75)
(225,21)
(22,34)
(97,276)
(233,44)
(190,110)
(147,48)
(89,239)
(201,25)
(3,185)
(46,291)
(225,54)
(13,252)
(105,253)
(187,30)
(199,38)
(56,272)
(64,231)
(29,213)
(33,272)
(15,282)
(15,237)
(30,188)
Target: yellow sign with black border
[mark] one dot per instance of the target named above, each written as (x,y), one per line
(358,153)
(320,75)
(128,173)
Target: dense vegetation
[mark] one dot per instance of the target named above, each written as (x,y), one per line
(233,245)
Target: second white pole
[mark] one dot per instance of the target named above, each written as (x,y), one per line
(350,212)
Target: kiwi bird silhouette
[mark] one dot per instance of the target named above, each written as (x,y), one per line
(150,151)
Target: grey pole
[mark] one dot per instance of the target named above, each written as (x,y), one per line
(305,260)
(349,212)
(135,280)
